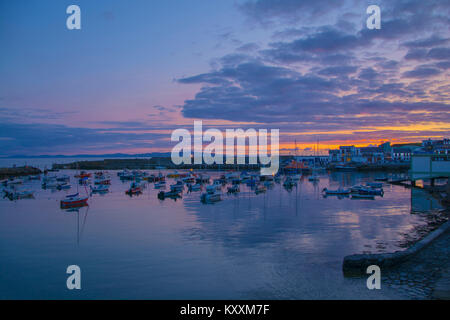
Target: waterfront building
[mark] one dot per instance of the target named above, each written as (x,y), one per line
(372,155)
(401,154)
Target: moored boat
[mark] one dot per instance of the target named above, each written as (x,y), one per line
(83,174)
(14,194)
(211,195)
(260,188)
(194,187)
(99,188)
(63,186)
(179,186)
(160,184)
(338,191)
(234,189)
(73,200)
(363,196)
(375,184)
(135,188)
(170,194)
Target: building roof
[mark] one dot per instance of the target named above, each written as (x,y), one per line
(401,150)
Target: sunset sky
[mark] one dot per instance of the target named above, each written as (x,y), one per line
(137,70)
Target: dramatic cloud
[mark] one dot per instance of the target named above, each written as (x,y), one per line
(334,77)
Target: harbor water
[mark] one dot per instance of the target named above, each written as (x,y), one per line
(279,244)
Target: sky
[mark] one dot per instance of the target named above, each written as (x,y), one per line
(137,70)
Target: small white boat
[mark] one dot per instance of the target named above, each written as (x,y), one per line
(50,184)
(13,194)
(14,182)
(339,191)
(231,175)
(99,188)
(356,189)
(211,195)
(63,178)
(194,187)
(375,184)
(160,184)
(63,186)
(179,186)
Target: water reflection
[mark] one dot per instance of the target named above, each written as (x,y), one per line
(281,243)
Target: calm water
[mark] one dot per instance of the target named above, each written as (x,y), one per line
(277,244)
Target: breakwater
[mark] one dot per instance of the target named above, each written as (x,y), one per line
(150,163)
(18,171)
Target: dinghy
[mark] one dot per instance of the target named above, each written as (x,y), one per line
(74,200)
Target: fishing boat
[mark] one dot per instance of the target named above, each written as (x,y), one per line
(63,186)
(135,188)
(99,188)
(160,177)
(194,187)
(179,186)
(63,178)
(363,196)
(188,179)
(73,200)
(234,189)
(160,184)
(260,188)
(244,176)
(127,176)
(49,182)
(371,191)
(375,184)
(236,181)
(123,173)
(14,194)
(314,177)
(338,191)
(356,189)
(211,195)
(83,174)
(218,184)
(231,175)
(14,182)
(84,181)
(103,181)
(296,177)
(202,178)
(170,194)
